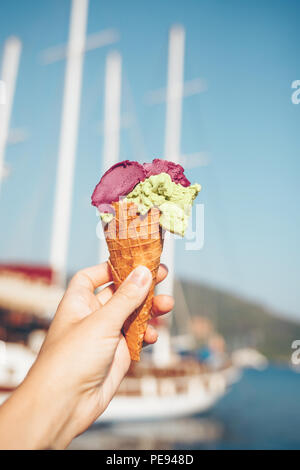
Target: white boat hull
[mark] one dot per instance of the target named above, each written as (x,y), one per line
(140,408)
(145,408)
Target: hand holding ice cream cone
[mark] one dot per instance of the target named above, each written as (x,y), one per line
(135,203)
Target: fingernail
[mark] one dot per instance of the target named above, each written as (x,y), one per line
(140,276)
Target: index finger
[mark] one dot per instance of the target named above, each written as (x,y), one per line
(96,276)
(92,277)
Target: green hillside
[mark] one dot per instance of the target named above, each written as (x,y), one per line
(241,322)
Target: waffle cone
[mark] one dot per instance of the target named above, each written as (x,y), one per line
(134,240)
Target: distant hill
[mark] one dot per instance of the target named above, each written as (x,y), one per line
(240,321)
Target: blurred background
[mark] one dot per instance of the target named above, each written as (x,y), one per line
(213,85)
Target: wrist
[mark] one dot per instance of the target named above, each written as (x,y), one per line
(52,407)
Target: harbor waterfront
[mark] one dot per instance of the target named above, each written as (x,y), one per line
(258,412)
(111,100)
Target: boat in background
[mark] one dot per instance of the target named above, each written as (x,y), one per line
(152,393)
(165,384)
(249,358)
(38,295)
(147,393)
(28,300)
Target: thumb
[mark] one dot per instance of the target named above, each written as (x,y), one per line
(129,296)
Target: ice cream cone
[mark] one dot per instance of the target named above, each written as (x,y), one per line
(134,240)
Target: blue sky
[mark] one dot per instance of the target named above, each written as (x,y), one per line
(247,53)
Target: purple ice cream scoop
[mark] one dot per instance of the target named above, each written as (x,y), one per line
(164,166)
(121,178)
(118,181)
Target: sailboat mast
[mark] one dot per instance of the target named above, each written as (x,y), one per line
(174,93)
(112,113)
(68,138)
(9,73)
(173,127)
(162,349)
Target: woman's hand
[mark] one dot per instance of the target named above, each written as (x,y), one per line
(82,361)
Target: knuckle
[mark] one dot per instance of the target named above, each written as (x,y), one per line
(127,294)
(77,277)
